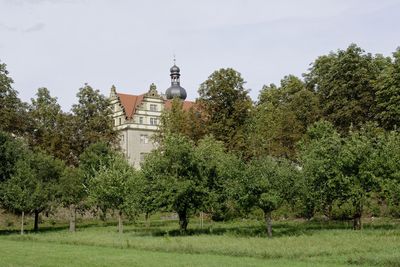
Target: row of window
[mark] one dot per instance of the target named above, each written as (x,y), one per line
(153,121)
(153,107)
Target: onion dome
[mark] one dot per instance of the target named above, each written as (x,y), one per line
(175,90)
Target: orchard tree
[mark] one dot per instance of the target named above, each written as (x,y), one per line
(74,184)
(226,105)
(267,184)
(117,187)
(319,157)
(220,170)
(18,192)
(72,192)
(33,185)
(173,172)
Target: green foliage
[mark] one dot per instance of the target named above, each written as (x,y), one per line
(280,118)
(267,184)
(226,105)
(176,120)
(12,110)
(173,172)
(221,170)
(92,122)
(46,123)
(115,186)
(344,82)
(11,151)
(388,94)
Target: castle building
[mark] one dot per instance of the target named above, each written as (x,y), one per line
(137,117)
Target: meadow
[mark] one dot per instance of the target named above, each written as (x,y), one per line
(235,243)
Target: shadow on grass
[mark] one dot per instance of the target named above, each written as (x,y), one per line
(255,229)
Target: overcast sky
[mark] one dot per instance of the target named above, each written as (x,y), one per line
(63,44)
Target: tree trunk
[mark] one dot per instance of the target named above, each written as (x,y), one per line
(357,217)
(268,223)
(120,226)
(183,221)
(147,219)
(22,223)
(36,224)
(72,218)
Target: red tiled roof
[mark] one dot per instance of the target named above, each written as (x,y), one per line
(130,103)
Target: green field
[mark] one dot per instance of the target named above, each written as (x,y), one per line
(239,243)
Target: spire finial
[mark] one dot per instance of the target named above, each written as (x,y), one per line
(174,59)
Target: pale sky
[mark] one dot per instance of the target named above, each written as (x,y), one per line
(63,44)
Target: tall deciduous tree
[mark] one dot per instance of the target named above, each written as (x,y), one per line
(45,114)
(12,109)
(92,122)
(226,104)
(344,82)
(388,94)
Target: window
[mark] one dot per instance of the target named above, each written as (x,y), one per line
(119,121)
(141,120)
(153,107)
(153,121)
(143,156)
(144,139)
(122,137)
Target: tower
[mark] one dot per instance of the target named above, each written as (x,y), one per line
(175,90)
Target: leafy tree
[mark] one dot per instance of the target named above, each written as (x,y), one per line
(341,169)
(18,192)
(320,154)
(385,163)
(45,131)
(226,105)
(33,185)
(344,82)
(91,122)
(173,172)
(281,118)
(273,131)
(72,192)
(47,172)
(220,170)
(388,94)
(75,181)
(266,184)
(12,109)
(116,187)
(177,120)
(358,179)
(11,151)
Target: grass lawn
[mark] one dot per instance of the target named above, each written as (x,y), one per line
(240,243)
